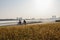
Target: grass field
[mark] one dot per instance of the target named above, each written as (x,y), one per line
(50,31)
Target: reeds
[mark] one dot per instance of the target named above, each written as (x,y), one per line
(49,31)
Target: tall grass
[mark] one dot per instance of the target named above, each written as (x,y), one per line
(49,31)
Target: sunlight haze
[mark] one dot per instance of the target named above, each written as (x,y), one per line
(29,8)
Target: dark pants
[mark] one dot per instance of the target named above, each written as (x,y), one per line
(19,23)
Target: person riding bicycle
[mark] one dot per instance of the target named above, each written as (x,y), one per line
(19,22)
(24,22)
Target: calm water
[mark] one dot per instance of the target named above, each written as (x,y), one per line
(28,21)
(8,22)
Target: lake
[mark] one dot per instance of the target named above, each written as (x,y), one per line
(2,23)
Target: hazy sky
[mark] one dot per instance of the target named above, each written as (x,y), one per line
(29,8)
